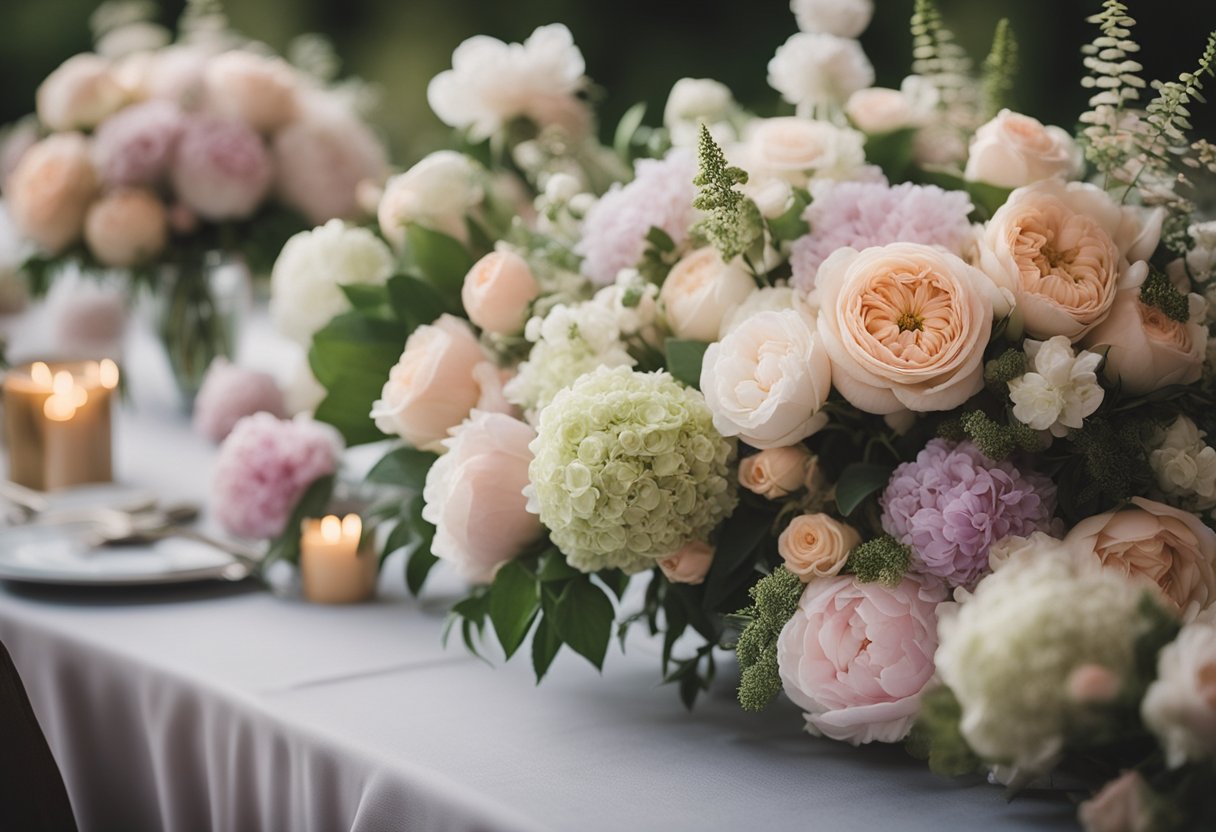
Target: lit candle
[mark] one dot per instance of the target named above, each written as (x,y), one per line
(58,424)
(334,568)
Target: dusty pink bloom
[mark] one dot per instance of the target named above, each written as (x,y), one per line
(222,169)
(229,394)
(136,146)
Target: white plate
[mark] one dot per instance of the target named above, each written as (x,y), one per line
(49,555)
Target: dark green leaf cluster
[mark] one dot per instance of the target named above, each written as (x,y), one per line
(882,560)
(657,259)
(936,736)
(312,503)
(1114,459)
(1000,69)
(774,601)
(1157,291)
(997,440)
(1003,369)
(733,223)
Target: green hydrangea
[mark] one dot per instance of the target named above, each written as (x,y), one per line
(628,468)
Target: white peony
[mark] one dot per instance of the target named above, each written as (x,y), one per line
(696,101)
(766,299)
(768,380)
(1185,465)
(305,284)
(1180,706)
(491,83)
(1061,390)
(813,69)
(846,18)
(438,193)
(794,151)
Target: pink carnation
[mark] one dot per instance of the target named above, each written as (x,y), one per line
(229,394)
(136,146)
(863,214)
(264,467)
(615,229)
(222,169)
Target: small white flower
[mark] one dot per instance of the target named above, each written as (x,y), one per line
(1061,390)
(1185,465)
(813,69)
(696,101)
(846,18)
(1201,260)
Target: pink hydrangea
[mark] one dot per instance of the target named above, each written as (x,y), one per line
(222,170)
(229,394)
(863,214)
(264,467)
(136,146)
(952,503)
(615,229)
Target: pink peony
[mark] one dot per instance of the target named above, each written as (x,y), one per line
(855,657)
(221,170)
(264,467)
(863,214)
(229,394)
(87,318)
(660,196)
(136,146)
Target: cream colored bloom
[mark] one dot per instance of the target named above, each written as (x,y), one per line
(846,18)
(1060,391)
(777,472)
(1180,706)
(1185,465)
(127,227)
(700,291)
(497,292)
(50,190)
(1014,150)
(259,90)
(438,193)
(80,94)
(816,546)
(814,69)
(690,564)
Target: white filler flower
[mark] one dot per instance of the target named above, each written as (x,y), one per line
(846,18)
(1062,389)
(814,69)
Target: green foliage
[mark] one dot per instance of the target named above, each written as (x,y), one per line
(774,601)
(1158,291)
(684,359)
(1115,76)
(936,736)
(657,259)
(857,482)
(790,225)
(1003,369)
(351,358)
(514,604)
(1114,460)
(733,223)
(998,440)
(312,503)
(881,560)
(414,533)
(742,539)
(1000,69)
(441,260)
(894,152)
(404,466)
(939,59)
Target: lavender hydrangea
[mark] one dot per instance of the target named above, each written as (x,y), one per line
(863,214)
(952,503)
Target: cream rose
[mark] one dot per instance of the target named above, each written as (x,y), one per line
(905,326)
(690,564)
(80,94)
(1157,545)
(127,227)
(877,110)
(49,191)
(776,472)
(1180,706)
(442,375)
(816,546)
(700,291)
(767,381)
(1014,150)
(437,192)
(474,496)
(1059,252)
(793,149)
(259,90)
(497,292)
(1148,350)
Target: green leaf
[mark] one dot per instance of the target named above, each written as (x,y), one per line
(351,358)
(405,466)
(401,536)
(791,225)
(545,644)
(553,567)
(418,567)
(622,139)
(684,359)
(857,482)
(660,239)
(514,602)
(415,302)
(584,620)
(341,408)
(312,503)
(442,260)
(615,580)
(365,298)
(741,534)
(892,152)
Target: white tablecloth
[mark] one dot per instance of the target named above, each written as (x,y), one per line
(223,707)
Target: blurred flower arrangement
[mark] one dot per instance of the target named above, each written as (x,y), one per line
(902,396)
(185,163)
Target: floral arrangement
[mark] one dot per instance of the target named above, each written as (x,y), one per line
(902,396)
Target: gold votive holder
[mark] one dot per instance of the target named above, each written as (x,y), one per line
(336,566)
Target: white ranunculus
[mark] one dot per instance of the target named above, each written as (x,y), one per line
(846,18)
(767,381)
(813,69)
(1060,391)
(1014,150)
(1180,706)
(438,192)
(700,291)
(1185,465)
(308,275)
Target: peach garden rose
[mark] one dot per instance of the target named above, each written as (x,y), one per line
(127,227)
(497,292)
(690,563)
(1014,150)
(816,546)
(50,190)
(777,472)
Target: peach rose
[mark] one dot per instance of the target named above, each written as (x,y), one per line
(50,190)
(80,94)
(259,90)
(1148,350)
(442,375)
(497,292)
(1093,684)
(1059,252)
(474,495)
(690,564)
(876,110)
(1121,806)
(1157,545)
(776,472)
(905,326)
(1014,150)
(127,227)
(816,546)
(700,291)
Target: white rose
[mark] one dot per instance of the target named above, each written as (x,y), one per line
(794,149)
(700,291)
(1201,260)
(1180,706)
(80,94)
(1014,150)
(767,381)
(696,101)
(437,192)
(1183,462)
(305,284)
(846,18)
(881,110)
(766,299)
(813,69)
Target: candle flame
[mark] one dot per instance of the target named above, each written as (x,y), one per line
(331,529)
(66,397)
(352,526)
(41,374)
(107,374)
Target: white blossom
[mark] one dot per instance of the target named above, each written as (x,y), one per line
(846,18)
(813,69)
(1061,390)
(1185,465)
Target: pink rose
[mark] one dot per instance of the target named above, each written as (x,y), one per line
(222,170)
(690,564)
(229,394)
(1180,705)
(474,495)
(700,291)
(127,227)
(1157,545)
(1121,806)
(1093,684)
(443,374)
(1014,150)
(777,472)
(258,90)
(50,190)
(497,292)
(855,657)
(136,146)
(816,546)
(80,94)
